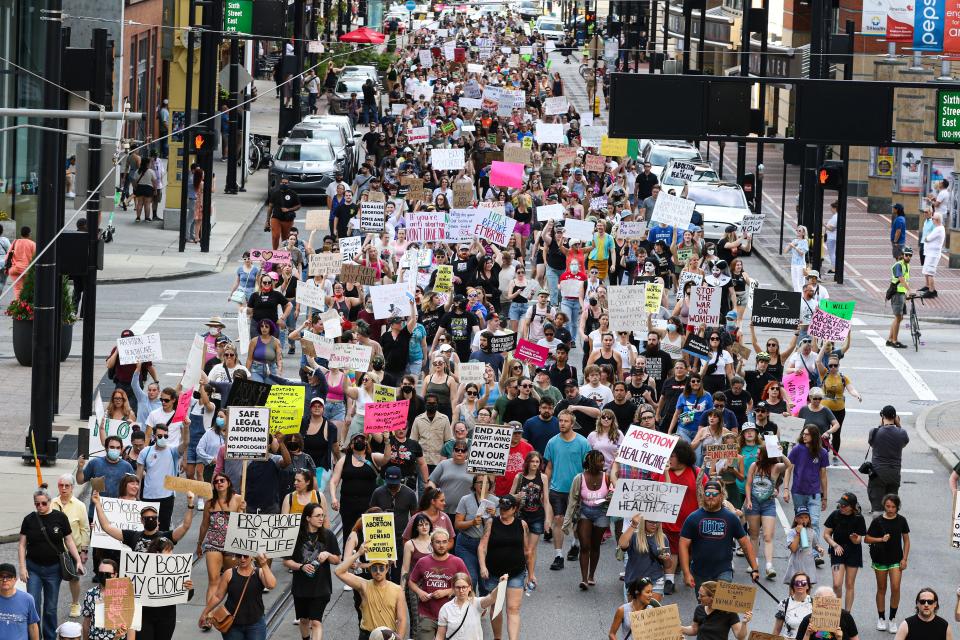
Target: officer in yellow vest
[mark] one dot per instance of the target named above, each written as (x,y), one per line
(899,276)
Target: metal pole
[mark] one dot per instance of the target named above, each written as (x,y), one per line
(666,20)
(687,26)
(653,37)
(744,73)
(234,116)
(98,93)
(207,105)
(60,220)
(185,173)
(247,94)
(19,112)
(701,45)
(758,176)
(46,290)
(783,203)
(845,160)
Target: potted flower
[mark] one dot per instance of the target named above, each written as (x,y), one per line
(21,310)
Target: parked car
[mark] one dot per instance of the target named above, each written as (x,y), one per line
(346,85)
(658,152)
(367,70)
(720,203)
(702,172)
(530,9)
(309,165)
(550,28)
(333,134)
(344,124)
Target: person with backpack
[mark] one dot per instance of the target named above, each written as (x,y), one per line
(537,315)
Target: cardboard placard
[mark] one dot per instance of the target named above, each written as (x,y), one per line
(646,449)
(158,579)
(119,428)
(556,106)
(380,536)
(371,216)
(317,220)
(594,162)
(742,351)
(685,277)
(828,326)
(652,297)
(273,256)
(248,433)
(489,449)
(772,444)
(762,635)
(547,133)
(734,597)
(145,348)
(503,343)
(514,152)
(443,282)
(383,393)
(566,155)
(752,223)
(463,194)
(839,308)
(632,230)
(322,264)
(656,623)
(531,353)
(797,386)
(310,294)
(581,230)
(426,226)
(391,300)
(122,514)
(550,212)
(286,404)
(446,159)
(720,451)
(673,211)
(826,613)
(332,324)
(655,501)
(775,309)
(273,535)
(350,247)
(350,357)
(471,372)
(616,147)
(415,190)
(118,603)
(705,305)
(182,485)
(571,288)
(366,276)
(380,417)
(493,226)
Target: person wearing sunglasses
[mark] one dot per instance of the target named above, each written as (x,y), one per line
(315,550)
(925,623)
(262,305)
(794,608)
(835,385)
(451,477)
(382,603)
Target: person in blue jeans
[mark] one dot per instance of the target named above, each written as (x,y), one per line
(692,404)
(805,480)
(44,535)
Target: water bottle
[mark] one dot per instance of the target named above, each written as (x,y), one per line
(316,567)
(804,539)
(530,588)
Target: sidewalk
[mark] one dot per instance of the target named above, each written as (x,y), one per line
(937,426)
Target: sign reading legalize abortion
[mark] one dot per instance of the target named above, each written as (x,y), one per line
(646,449)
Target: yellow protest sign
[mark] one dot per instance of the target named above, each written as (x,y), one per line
(286,408)
(734,597)
(383,393)
(613,146)
(656,623)
(527,143)
(444,280)
(379,536)
(653,295)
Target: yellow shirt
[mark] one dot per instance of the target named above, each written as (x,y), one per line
(379,604)
(76,513)
(833,386)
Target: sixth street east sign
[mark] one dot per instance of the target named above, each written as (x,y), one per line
(238,16)
(948,116)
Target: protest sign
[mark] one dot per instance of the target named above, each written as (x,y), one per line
(721,451)
(734,597)
(685,277)
(350,247)
(705,306)
(270,255)
(286,407)
(470,103)
(646,449)
(460,225)
(322,345)
(598,203)
(248,433)
(426,58)
(655,501)
(828,326)
(418,135)
(444,279)
(752,223)
(310,294)
(183,406)
(110,427)
(797,386)
(772,444)
(463,194)
(549,133)
(159,579)
(379,536)
(446,159)
(506,174)
(653,295)
(761,635)
(697,346)
(571,288)
(550,212)
(532,353)
(826,613)
(356,273)
(396,109)
(491,97)
(183,485)
(556,106)
(501,599)
(503,343)
(390,300)
(656,623)
(516,153)
(415,190)
(955,532)
(332,324)
(380,417)
(248,393)
(371,216)
(317,220)
(838,308)
(350,357)
(273,535)
(426,226)
(616,147)
(383,393)
(136,349)
(775,309)
(592,136)
(632,230)
(199,351)
(679,170)
(322,264)
(118,603)
(566,155)
(493,226)
(122,514)
(625,308)
(673,211)
(581,230)
(474,68)
(489,449)
(471,372)
(594,163)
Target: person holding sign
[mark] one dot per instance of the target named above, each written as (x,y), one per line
(315,550)
(382,603)
(505,549)
(213,527)
(847,629)
(241,593)
(713,624)
(639,597)
(648,554)
(139,540)
(106,570)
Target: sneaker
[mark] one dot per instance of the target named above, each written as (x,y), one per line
(292,350)
(71,194)
(548,536)
(881,624)
(899,345)
(891,343)
(557,564)
(573,554)
(892,626)
(818,561)
(739,551)
(347,587)
(75,610)
(931,294)
(200,504)
(924,288)
(836,461)
(668,587)
(296,622)
(771,572)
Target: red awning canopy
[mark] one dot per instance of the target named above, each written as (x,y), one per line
(363,35)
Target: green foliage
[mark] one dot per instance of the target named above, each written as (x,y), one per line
(22,307)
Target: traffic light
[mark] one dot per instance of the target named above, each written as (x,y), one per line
(204,141)
(589,21)
(830,175)
(747,184)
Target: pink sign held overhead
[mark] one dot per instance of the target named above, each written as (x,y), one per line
(379,417)
(183,406)
(506,174)
(797,385)
(530,352)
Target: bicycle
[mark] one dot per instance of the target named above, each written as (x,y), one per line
(914,320)
(259,153)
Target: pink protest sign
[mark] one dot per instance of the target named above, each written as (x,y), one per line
(797,385)
(270,255)
(183,405)
(828,326)
(533,353)
(379,417)
(506,174)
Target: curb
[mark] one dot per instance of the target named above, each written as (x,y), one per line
(945,455)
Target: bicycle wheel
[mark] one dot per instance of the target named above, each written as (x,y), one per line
(915,329)
(584,71)
(253,158)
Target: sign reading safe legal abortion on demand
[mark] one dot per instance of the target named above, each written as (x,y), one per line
(158,579)
(248,433)
(646,449)
(655,501)
(489,449)
(272,534)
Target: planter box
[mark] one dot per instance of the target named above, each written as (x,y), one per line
(23,341)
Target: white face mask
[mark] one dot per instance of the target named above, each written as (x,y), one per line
(574,267)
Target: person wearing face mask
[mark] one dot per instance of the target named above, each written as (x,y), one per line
(284,203)
(112,468)
(106,570)
(571,290)
(155,463)
(431,429)
(149,517)
(209,446)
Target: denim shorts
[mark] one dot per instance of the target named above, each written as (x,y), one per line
(766,507)
(535,522)
(196,432)
(596,515)
(518,581)
(517,309)
(334,410)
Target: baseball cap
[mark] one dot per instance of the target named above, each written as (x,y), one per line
(508,501)
(540,370)
(70,630)
(732,314)
(392,476)
(713,484)
(516,425)
(848,499)
(763,355)
(762,405)
(747,425)
(570,382)
(318,401)
(801,510)
(8,569)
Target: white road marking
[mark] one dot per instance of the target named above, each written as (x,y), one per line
(857,322)
(906,371)
(914,471)
(920,370)
(877,411)
(201,319)
(783,518)
(148,318)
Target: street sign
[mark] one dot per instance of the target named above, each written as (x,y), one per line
(243,77)
(238,16)
(411,5)
(948,115)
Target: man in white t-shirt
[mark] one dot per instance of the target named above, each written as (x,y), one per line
(155,463)
(599,393)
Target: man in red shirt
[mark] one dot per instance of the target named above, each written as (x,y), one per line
(519,448)
(432,581)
